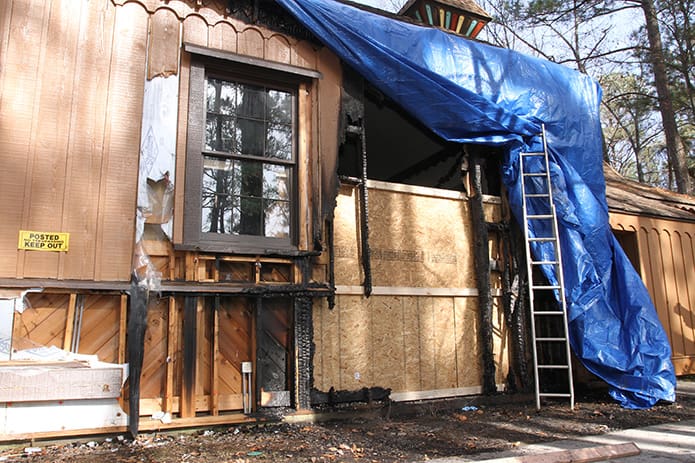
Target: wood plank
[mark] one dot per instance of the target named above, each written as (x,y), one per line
(69,322)
(21,87)
(680,306)
(86,142)
(669,281)
(304,167)
(164,44)
(657,283)
(215,363)
(250,42)
(278,49)
(223,36)
(195,30)
(50,144)
(117,197)
(190,339)
(172,338)
(153,374)
(100,326)
(687,311)
(42,322)
(122,328)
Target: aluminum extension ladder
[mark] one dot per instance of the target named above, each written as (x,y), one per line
(552,366)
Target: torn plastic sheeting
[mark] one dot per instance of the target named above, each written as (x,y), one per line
(468,92)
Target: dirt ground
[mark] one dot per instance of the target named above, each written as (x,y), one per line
(379,433)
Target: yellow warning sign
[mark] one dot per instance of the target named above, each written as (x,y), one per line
(43,241)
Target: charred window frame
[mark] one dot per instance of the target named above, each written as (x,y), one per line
(242,157)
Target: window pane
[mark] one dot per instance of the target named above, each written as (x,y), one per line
(219,133)
(276,182)
(217,195)
(277,219)
(279,143)
(249,220)
(279,106)
(221,96)
(251,102)
(250,136)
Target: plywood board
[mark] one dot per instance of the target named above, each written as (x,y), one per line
(153,376)
(43,321)
(327,332)
(117,199)
(100,326)
(411,344)
(468,352)
(415,240)
(387,350)
(427,343)
(49,142)
(86,146)
(355,343)
(445,343)
(20,89)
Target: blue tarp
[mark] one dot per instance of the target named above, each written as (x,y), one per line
(469,92)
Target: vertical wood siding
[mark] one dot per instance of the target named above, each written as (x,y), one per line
(667,261)
(72,76)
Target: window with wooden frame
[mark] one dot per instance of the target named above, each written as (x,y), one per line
(241,160)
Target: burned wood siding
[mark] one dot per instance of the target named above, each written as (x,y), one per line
(72,78)
(666,251)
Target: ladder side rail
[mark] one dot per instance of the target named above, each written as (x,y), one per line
(529,273)
(560,276)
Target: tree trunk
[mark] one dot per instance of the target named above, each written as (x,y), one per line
(674,145)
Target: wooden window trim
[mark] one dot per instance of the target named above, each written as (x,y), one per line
(245,71)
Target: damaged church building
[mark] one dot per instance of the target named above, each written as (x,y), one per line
(225,211)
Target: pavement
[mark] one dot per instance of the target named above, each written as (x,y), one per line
(664,443)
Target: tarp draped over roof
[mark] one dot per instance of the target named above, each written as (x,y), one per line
(468,92)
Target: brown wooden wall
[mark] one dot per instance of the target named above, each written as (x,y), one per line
(666,262)
(72,74)
(71,79)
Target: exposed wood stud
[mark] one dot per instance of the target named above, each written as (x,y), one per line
(190,340)
(215,361)
(69,322)
(122,328)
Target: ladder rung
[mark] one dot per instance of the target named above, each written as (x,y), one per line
(544,262)
(533,153)
(548,312)
(540,216)
(538,195)
(554,394)
(550,339)
(546,287)
(533,174)
(545,238)
(553,367)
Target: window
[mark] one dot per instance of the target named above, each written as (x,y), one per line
(241,159)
